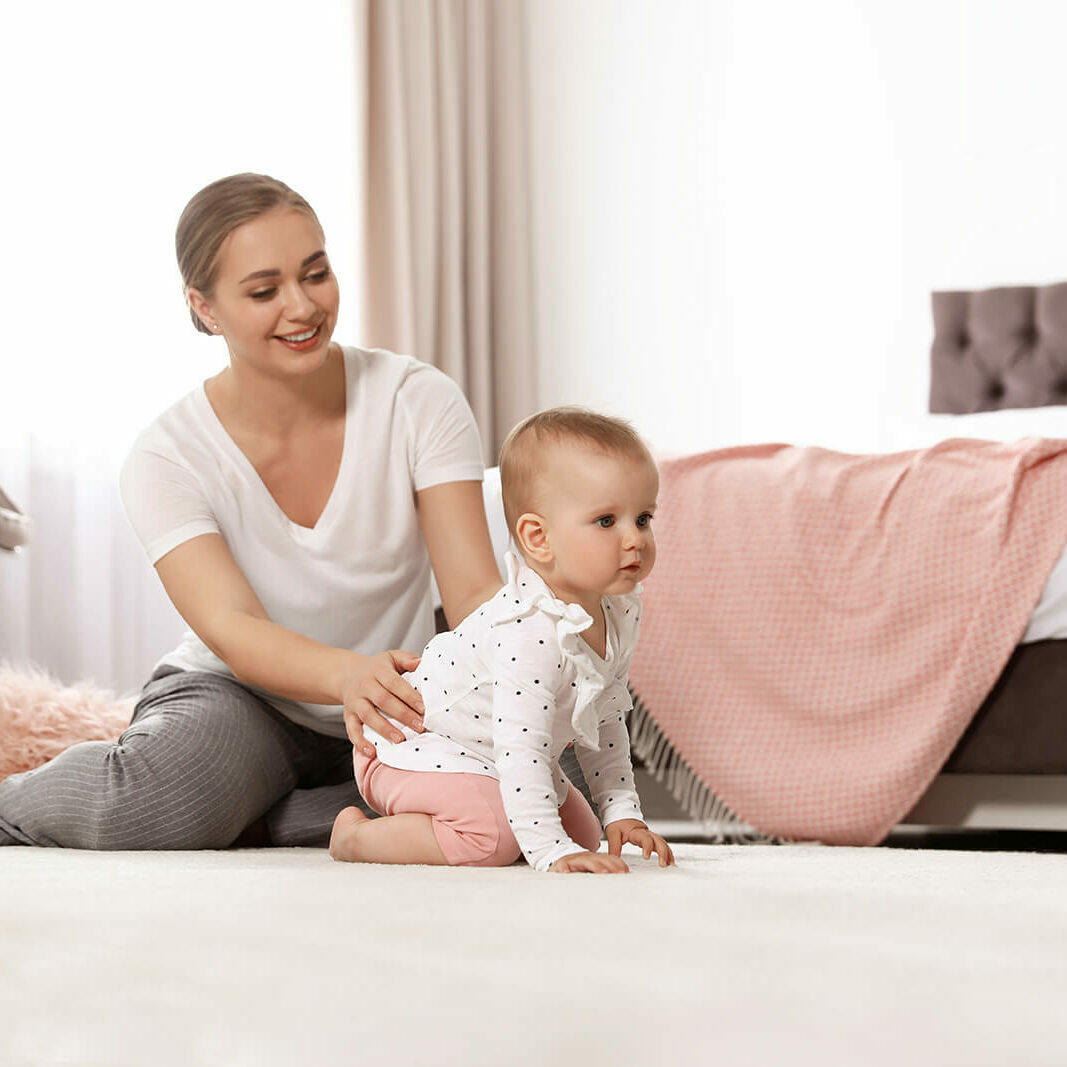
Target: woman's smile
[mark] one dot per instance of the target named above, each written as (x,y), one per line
(303,341)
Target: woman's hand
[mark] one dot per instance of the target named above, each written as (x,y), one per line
(590,862)
(372,686)
(637,833)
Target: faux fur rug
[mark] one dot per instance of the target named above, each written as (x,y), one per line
(40,717)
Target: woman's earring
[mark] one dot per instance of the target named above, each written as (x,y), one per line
(215,327)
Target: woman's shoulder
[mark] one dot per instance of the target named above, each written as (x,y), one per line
(187,435)
(172,424)
(379,369)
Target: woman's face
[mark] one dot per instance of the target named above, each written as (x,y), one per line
(275,298)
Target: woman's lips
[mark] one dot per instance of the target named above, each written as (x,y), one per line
(304,345)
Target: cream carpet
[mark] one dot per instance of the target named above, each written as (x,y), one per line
(740,955)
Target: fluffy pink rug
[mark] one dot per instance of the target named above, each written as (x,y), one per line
(40,717)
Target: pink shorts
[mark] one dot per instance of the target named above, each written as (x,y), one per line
(468,815)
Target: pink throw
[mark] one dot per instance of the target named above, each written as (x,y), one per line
(820,628)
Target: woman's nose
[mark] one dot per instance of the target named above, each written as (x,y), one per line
(298,305)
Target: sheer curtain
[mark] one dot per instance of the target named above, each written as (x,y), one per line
(123,111)
(447,257)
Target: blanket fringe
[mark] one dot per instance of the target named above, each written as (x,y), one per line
(717,822)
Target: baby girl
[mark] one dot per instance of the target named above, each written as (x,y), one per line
(541,665)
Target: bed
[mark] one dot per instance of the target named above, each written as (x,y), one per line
(992,350)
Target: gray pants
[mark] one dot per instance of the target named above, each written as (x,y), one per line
(202,760)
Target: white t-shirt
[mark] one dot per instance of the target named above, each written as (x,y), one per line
(509,689)
(360,578)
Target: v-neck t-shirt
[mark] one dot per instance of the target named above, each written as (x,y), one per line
(360,577)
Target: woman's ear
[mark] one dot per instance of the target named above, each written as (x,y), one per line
(532,537)
(202,309)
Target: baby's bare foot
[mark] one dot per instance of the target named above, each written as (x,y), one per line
(343,836)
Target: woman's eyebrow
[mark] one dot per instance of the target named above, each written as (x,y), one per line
(271,273)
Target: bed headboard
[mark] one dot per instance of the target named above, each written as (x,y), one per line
(999,348)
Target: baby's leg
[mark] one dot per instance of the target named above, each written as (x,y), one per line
(578,820)
(407,838)
(400,837)
(430,818)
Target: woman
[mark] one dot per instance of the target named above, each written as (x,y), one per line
(292,507)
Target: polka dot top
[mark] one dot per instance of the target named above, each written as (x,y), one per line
(510,688)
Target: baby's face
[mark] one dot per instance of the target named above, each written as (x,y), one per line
(598,507)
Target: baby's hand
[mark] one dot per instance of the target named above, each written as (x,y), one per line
(637,833)
(592,862)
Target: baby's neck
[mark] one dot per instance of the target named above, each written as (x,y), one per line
(595,636)
(588,600)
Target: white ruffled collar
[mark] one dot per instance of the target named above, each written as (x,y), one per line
(525,590)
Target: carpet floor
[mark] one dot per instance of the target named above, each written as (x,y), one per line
(743,955)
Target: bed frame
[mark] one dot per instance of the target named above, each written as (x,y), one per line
(994,349)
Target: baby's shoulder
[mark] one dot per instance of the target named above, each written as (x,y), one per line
(531,634)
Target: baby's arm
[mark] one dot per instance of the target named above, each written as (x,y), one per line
(609,774)
(608,770)
(525,658)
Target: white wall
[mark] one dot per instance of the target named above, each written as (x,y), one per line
(115,113)
(741,208)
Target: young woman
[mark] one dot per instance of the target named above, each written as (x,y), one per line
(293,507)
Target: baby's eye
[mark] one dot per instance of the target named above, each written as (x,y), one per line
(605,522)
(644,520)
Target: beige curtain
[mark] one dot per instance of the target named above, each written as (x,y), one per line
(447,229)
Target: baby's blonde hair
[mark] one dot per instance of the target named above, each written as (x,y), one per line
(522,456)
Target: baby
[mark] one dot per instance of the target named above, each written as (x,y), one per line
(541,665)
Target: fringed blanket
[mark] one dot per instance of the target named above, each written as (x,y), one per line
(820,627)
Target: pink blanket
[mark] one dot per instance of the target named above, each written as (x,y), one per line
(820,627)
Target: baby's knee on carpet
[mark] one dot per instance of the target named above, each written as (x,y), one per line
(580,821)
(482,846)
(589,838)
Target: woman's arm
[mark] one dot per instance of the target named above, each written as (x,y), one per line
(213,596)
(452,517)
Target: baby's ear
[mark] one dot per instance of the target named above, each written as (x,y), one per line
(532,538)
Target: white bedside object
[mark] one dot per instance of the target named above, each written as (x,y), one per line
(14,526)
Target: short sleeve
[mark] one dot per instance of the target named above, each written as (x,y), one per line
(445,444)
(163,500)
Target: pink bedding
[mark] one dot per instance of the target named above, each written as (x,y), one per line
(821,627)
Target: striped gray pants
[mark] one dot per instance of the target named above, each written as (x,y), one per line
(202,761)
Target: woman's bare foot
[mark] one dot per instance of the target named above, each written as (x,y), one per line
(343,836)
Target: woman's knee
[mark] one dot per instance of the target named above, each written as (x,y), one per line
(190,772)
(103,795)
(125,796)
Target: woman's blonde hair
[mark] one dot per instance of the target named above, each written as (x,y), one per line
(213,214)
(522,454)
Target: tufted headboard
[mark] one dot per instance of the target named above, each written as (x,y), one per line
(999,348)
